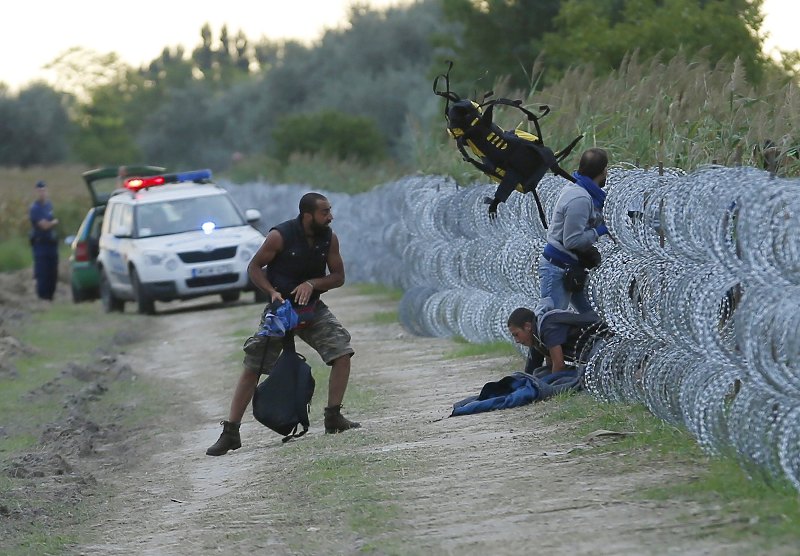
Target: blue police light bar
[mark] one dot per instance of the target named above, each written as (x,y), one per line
(134,184)
(193,175)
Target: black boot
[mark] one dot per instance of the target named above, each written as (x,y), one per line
(336,422)
(228,440)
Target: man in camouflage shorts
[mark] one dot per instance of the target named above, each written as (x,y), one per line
(302,261)
(324,334)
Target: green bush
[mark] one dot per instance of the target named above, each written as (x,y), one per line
(318,171)
(15,254)
(329,133)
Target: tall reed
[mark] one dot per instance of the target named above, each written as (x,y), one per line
(679,112)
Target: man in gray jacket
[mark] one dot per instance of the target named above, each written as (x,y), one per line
(576,225)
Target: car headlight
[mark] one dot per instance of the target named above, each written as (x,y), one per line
(157,258)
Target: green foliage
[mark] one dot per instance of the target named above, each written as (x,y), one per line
(186,130)
(380,290)
(334,479)
(767,507)
(752,505)
(254,168)
(331,134)
(345,176)
(377,68)
(224,63)
(679,112)
(497,38)
(601,33)
(218,103)
(385,317)
(436,153)
(104,137)
(15,254)
(70,203)
(26,407)
(491,349)
(35,127)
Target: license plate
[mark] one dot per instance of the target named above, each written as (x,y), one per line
(211,270)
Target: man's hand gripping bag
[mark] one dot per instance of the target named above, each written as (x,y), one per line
(282,399)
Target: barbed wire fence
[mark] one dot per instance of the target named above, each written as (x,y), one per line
(700,284)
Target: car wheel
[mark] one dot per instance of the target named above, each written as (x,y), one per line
(77,294)
(145,304)
(111,303)
(229,297)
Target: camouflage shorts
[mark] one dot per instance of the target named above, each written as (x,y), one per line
(325,335)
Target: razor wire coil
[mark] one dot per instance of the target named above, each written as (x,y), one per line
(700,287)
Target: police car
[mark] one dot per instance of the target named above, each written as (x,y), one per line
(174,237)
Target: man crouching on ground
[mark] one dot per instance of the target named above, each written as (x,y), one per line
(303,261)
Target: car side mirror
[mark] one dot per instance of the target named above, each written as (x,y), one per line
(252,215)
(121,231)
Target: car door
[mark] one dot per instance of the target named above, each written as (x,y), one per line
(115,245)
(102,182)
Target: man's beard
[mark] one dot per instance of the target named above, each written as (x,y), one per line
(318,229)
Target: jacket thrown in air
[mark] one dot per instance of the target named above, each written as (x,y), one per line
(573,221)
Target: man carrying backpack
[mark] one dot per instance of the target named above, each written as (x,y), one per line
(303,261)
(575,227)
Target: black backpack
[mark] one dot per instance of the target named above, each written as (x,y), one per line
(514,158)
(282,400)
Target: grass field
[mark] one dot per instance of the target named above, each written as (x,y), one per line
(38,512)
(752,503)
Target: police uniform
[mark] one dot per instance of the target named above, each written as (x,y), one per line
(45,249)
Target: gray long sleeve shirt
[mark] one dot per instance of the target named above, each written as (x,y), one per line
(574,219)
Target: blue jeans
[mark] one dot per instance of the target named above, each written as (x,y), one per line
(551,279)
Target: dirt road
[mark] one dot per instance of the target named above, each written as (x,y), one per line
(408,482)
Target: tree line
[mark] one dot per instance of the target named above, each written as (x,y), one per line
(362,92)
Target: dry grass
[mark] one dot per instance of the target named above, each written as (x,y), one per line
(679,112)
(66,188)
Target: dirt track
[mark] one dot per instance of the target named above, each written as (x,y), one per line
(409,482)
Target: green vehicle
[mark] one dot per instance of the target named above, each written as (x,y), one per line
(102,183)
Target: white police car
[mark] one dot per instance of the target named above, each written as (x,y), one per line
(174,237)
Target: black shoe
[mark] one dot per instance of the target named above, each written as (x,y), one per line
(336,422)
(228,440)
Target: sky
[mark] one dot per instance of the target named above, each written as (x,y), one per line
(36,32)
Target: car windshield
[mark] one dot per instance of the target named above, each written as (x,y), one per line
(186,215)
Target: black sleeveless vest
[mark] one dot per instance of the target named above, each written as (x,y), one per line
(298,261)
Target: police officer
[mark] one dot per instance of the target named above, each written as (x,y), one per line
(44,243)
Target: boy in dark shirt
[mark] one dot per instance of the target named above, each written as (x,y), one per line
(554,335)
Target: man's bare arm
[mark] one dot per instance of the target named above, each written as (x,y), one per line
(557,358)
(273,244)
